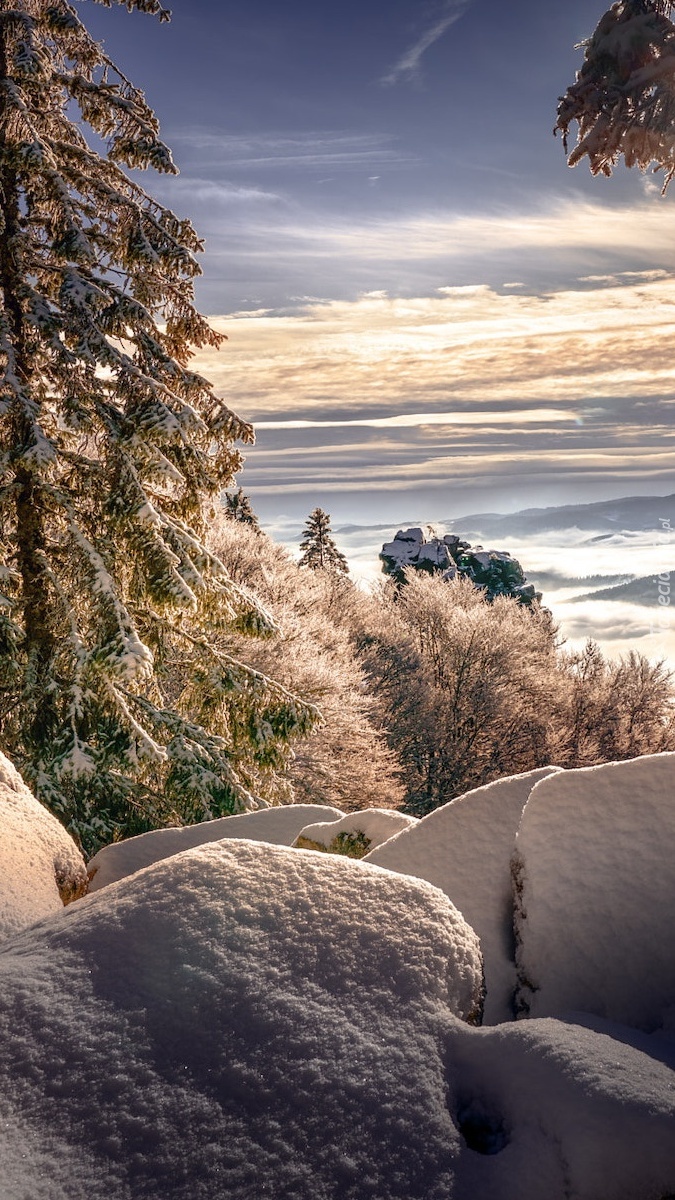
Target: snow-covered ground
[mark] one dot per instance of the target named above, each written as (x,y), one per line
(243,1019)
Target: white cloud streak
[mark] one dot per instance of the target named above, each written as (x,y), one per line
(414,420)
(309,149)
(408,65)
(283,252)
(464,350)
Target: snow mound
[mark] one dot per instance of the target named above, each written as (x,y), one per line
(240,1020)
(550,1110)
(376,824)
(279,826)
(41,868)
(595,880)
(465,849)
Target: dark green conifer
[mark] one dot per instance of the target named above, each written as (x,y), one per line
(238,507)
(319,549)
(119,700)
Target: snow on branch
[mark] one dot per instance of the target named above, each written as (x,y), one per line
(623,100)
(153,7)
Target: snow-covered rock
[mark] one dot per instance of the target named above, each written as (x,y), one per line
(41,868)
(376,824)
(465,849)
(551,1110)
(494,571)
(279,826)
(243,1020)
(418,548)
(238,1021)
(595,878)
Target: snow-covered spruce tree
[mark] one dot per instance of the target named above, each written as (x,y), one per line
(117,699)
(623,99)
(319,549)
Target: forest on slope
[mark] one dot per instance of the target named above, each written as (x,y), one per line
(429,689)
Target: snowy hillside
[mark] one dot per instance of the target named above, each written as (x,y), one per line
(242,1018)
(643,591)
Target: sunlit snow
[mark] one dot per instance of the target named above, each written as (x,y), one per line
(243,1019)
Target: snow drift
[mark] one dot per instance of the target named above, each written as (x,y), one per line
(246,1020)
(377,825)
(241,1020)
(278,826)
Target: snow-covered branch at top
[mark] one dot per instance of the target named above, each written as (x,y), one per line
(146,6)
(623,99)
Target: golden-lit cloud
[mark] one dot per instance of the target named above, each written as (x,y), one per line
(470,347)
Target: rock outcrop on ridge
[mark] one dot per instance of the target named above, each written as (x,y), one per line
(495,571)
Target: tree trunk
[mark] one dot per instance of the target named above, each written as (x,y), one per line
(38,621)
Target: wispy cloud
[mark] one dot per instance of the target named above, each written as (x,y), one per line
(212,193)
(309,149)
(408,65)
(285,249)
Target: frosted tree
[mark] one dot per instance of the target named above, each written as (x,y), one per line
(319,550)
(623,100)
(119,700)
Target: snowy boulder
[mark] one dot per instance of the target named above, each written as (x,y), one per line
(364,830)
(238,1021)
(242,1020)
(416,548)
(279,826)
(595,881)
(465,849)
(548,1109)
(41,868)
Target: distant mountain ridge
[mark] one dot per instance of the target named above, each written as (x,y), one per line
(631,513)
(635,514)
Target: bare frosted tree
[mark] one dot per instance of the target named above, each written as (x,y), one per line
(345,761)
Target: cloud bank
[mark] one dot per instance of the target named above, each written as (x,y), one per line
(266,249)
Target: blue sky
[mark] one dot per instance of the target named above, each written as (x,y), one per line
(428,312)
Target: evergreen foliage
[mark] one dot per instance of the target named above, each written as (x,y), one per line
(623,99)
(319,550)
(238,507)
(119,700)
